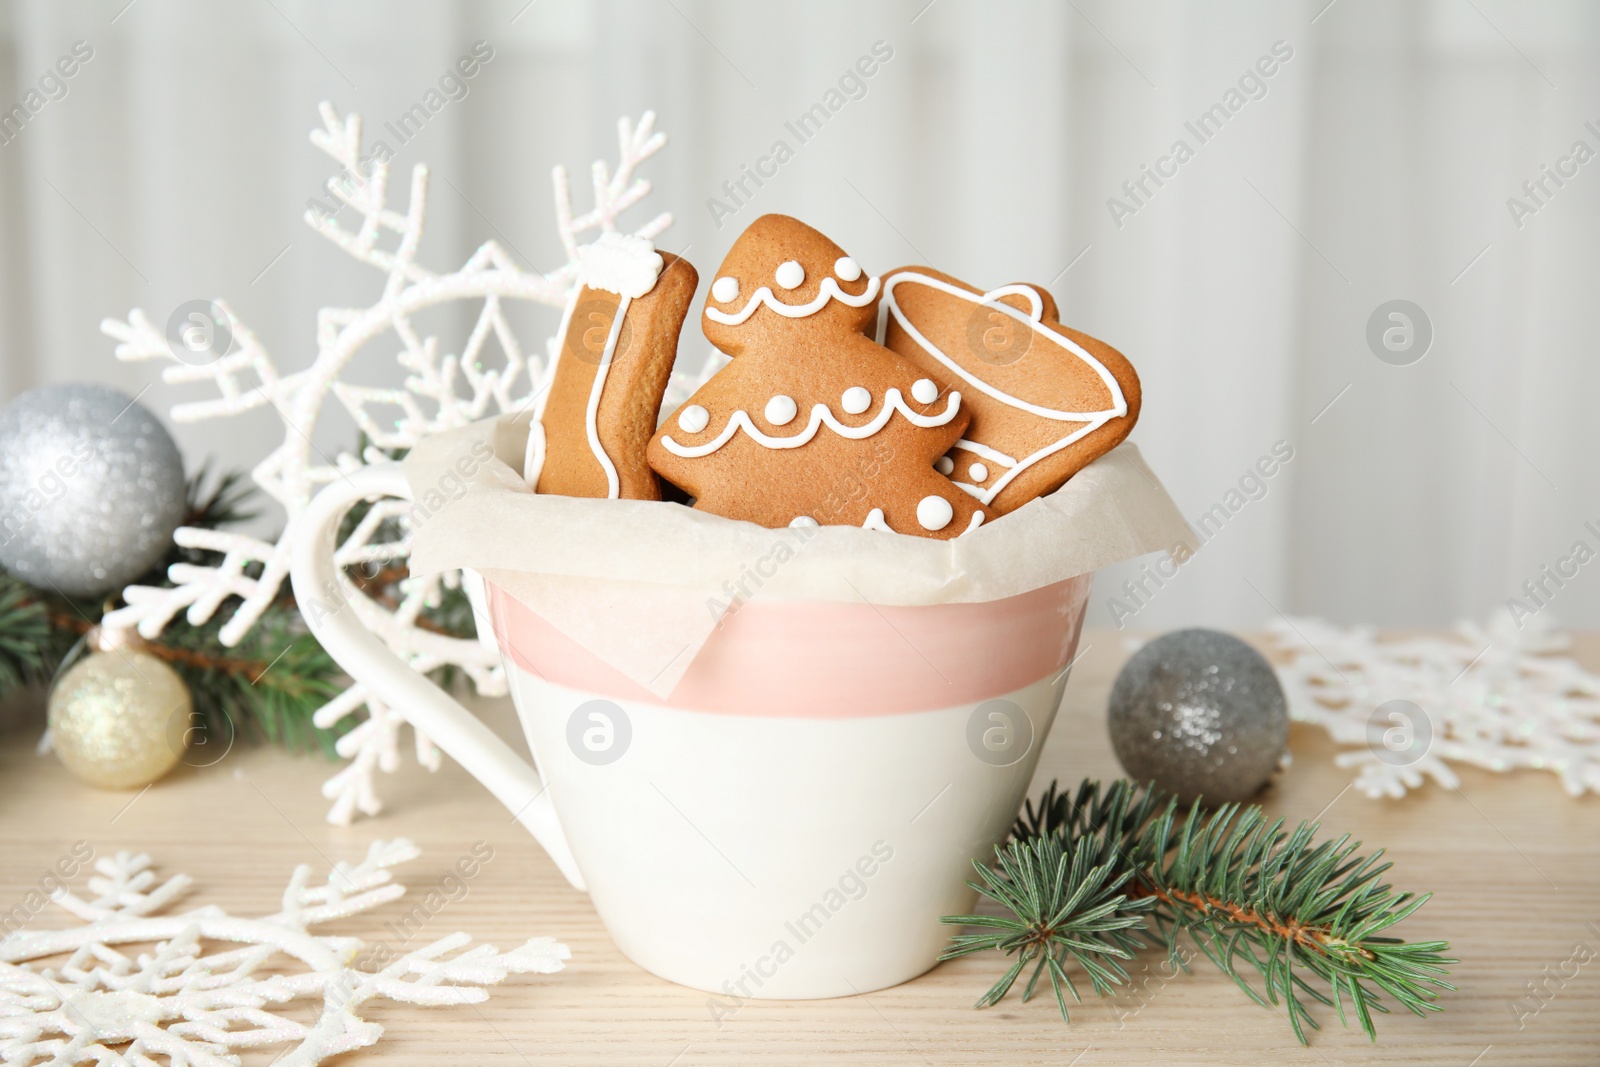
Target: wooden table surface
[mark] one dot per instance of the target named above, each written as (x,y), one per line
(1513,861)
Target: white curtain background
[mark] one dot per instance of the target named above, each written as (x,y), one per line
(1377,166)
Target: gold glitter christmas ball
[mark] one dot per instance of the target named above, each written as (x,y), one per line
(111,716)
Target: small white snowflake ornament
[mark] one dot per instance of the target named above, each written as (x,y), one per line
(213,984)
(1493,696)
(442,390)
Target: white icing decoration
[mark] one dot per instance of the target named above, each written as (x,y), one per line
(781,410)
(694,418)
(855,400)
(944,465)
(1093,420)
(874,521)
(829,290)
(973,524)
(802,521)
(934,512)
(532,469)
(892,402)
(846,268)
(924,391)
(620,263)
(790,274)
(533,455)
(613,486)
(993,455)
(978,472)
(725,290)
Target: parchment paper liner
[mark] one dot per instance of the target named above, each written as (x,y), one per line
(642,584)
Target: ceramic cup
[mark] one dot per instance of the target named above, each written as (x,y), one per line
(794,819)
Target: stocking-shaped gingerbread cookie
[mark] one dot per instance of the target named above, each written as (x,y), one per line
(613,356)
(1045,399)
(811,422)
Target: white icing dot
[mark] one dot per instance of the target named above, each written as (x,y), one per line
(781,410)
(855,400)
(978,472)
(923,391)
(934,512)
(803,520)
(725,290)
(846,268)
(790,274)
(694,418)
(944,465)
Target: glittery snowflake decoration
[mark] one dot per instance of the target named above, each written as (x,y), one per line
(1498,697)
(442,390)
(209,985)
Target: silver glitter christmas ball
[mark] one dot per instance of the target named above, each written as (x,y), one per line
(91,488)
(1200,713)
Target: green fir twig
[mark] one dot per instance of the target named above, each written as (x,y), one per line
(25,639)
(267,687)
(1066,902)
(1288,919)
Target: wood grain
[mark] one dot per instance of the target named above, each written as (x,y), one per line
(1513,861)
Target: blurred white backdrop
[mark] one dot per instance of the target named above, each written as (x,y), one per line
(1376,162)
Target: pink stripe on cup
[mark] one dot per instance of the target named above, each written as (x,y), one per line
(813,659)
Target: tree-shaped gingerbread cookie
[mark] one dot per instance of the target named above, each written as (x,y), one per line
(812,422)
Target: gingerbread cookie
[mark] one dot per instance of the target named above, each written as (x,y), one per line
(1045,399)
(614,354)
(811,422)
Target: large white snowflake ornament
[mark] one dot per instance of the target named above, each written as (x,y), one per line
(442,390)
(209,985)
(1495,696)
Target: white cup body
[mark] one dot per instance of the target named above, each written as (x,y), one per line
(794,819)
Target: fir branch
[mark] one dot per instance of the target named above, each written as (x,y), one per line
(243,689)
(24,636)
(269,686)
(1251,897)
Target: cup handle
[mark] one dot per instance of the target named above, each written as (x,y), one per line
(324,595)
